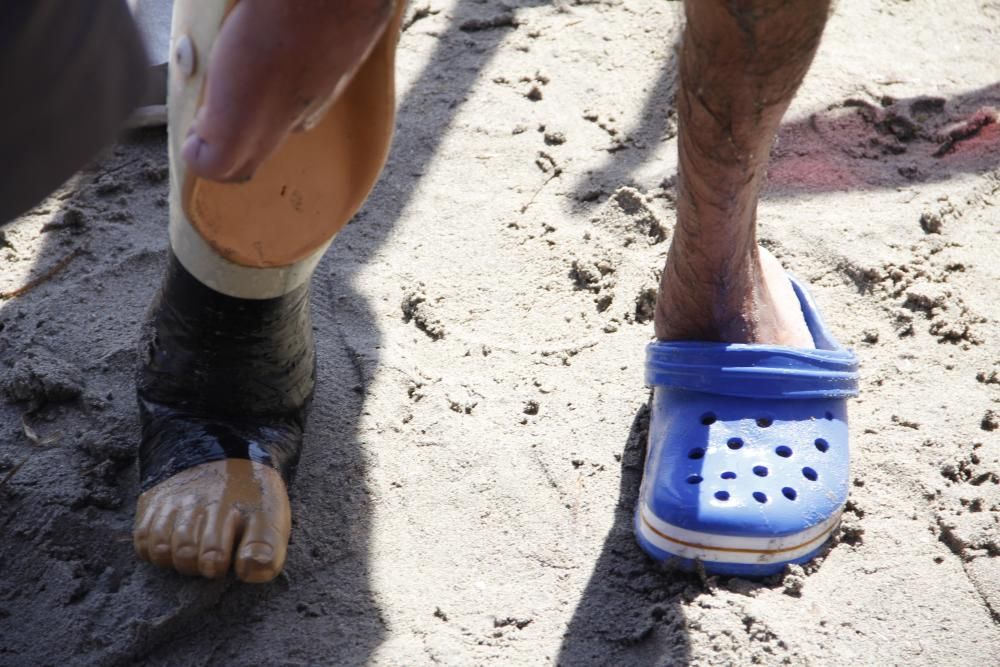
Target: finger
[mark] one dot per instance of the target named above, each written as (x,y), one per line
(242,81)
(271,63)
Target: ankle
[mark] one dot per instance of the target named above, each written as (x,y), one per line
(706,302)
(748,301)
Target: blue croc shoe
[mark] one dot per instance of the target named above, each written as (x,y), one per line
(747,464)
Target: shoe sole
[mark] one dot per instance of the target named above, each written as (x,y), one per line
(735,555)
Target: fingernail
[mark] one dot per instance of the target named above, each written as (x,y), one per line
(193,147)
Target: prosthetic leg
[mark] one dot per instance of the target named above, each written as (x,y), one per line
(228,363)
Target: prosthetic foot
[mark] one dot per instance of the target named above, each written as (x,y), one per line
(228,363)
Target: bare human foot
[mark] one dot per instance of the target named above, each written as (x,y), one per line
(275,66)
(194,521)
(741,62)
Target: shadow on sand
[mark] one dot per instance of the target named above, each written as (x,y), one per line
(66,504)
(631,612)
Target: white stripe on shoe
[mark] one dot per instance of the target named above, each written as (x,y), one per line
(696,545)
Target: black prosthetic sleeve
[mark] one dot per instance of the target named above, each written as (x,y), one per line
(222,378)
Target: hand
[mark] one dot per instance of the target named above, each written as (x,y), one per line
(274,64)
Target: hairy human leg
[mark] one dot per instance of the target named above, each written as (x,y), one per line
(741,62)
(747,465)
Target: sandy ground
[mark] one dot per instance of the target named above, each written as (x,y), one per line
(474,451)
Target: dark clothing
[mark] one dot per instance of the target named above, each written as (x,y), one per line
(71,71)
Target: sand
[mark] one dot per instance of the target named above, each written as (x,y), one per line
(474,452)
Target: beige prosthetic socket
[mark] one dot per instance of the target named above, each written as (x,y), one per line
(263,238)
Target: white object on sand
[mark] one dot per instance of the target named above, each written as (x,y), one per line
(153,19)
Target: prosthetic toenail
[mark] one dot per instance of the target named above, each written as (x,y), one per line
(258,553)
(184,56)
(210,563)
(186,551)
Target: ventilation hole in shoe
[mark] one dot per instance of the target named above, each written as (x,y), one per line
(735,443)
(783,452)
(764,422)
(759,497)
(760,471)
(708,418)
(829,415)
(810,474)
(694,479)
(696,453)
(789,493)
(722,495)
(728,475)
(822,445)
